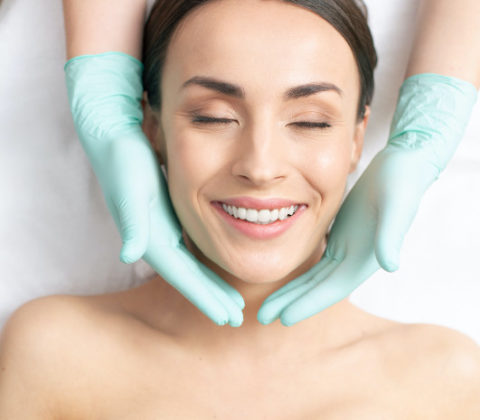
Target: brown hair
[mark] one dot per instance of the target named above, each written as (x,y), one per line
(348,17)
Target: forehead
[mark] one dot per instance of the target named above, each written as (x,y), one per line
(261,45)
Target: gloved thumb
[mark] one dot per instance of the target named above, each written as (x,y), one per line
(134,220)
(391,228)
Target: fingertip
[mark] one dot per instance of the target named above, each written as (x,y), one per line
(286,322)
(240,301)
(263,317)
(264,321)
(218,319)
(387,260)
(236,323)
(126,259)
(135,232)
(389,239)
(235,318)
(390,266)
(131,252)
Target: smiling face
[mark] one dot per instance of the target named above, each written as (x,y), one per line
(236,127)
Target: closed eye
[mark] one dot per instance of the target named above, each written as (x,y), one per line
(202,119)
(311,124)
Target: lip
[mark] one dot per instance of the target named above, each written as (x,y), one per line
(259,203)
(257,231)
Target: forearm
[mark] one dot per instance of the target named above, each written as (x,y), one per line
(447,40)
(97,26)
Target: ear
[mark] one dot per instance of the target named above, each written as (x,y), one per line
(358,137)
(152,128)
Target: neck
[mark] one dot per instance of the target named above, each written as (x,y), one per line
(329,328)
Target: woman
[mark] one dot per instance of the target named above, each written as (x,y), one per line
(104,85)
(237,142)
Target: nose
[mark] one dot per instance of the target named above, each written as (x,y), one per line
(260,155)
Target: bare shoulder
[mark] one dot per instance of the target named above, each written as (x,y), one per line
(47,326)
(41,345)
(444,369)
(39,325)
(29,344)
(458,354)
(46,322)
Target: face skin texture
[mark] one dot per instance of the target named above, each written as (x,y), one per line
(262,151)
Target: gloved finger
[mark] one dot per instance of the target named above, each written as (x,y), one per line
(134,220)
(229,296)
(222,284)
(125,256)
(393,223)
(180,275)
(300,280)
(271,310)
(339,285)
(113,212)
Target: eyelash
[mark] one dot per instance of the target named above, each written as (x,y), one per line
(201,119)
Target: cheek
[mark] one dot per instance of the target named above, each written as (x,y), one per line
(187,170)
(194,157)
(192,166)
(327,167)
(185,161)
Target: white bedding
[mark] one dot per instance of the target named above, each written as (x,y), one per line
(56,235)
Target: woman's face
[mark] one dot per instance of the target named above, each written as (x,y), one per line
(275,144)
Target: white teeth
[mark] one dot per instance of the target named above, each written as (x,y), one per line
(242,213)
(252,215)
(263,216)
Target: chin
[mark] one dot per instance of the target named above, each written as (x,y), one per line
(261,268)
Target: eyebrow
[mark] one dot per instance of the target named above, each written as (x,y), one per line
(236,91)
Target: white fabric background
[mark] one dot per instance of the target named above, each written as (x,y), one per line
(56,235)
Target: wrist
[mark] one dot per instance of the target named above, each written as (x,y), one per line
(432,113)
(104,92)
(109,55)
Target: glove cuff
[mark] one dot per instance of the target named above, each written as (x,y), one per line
(104,91)
(432,113)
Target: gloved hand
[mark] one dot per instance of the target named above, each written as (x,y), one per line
(105,91)
(368,232)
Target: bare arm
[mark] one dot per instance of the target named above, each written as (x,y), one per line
(97,26)
(447,40)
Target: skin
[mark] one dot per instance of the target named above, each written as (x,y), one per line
(94,27)
(447,40)
(182,365)
(260,153)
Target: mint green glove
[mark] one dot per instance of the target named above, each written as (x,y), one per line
(105,91)
(431,115)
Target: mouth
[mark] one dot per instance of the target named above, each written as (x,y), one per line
(260,223)
(262,216)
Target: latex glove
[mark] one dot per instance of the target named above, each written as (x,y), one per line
(368,232)
(105,93)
